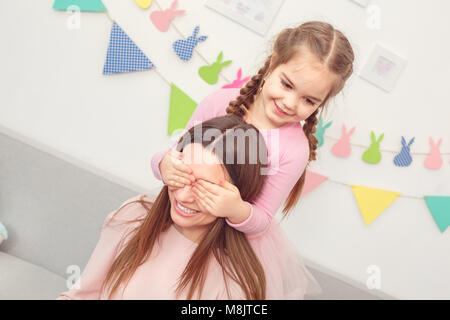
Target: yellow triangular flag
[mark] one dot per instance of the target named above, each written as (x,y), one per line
(372,202)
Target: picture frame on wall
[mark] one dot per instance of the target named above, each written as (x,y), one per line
(256,15)
(362,3)
(383,68)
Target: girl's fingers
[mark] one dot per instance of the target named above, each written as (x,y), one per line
(208,202)
(185,175)
(182,180)
(184,170)
(211,187)
(175,184)
(181,166)
(204,205)
(204,195)
(201,189)
(198,193)
(200,205)
(229,186)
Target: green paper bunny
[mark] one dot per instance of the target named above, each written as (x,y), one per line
(320,131)
(211,73)
(373,154)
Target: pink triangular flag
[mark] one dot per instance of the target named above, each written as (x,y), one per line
(312,181)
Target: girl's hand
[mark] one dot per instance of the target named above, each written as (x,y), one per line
(223,200)
(174,172)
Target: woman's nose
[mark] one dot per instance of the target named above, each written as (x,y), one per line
(185,194)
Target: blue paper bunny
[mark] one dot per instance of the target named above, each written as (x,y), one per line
(404,159)
(184,48)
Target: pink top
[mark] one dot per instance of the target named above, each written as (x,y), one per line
(288,153)
(155,279)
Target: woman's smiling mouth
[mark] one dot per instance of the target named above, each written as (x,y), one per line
(186,212)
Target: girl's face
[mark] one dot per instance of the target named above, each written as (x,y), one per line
(294,90)
(204,165)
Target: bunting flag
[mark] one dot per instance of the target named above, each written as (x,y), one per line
(144,4)
(372,202)
(312,181)
(84,5)
(124,55)
(181,109)
(439,207)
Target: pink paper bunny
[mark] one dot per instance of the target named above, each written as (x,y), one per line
(342,148)
(434,159)
(238,83)
(162,19)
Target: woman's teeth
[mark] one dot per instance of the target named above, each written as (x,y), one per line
(186,209)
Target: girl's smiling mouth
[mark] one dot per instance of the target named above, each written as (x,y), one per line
(278,110)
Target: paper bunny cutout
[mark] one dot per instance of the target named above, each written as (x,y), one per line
(373,154)
(211,73)
(320,131)
(434,159)
(144,4)
(342,148)
(162,19)
(404,159)
(238,82)
(184,48)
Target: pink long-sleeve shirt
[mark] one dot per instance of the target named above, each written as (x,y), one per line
(288,153)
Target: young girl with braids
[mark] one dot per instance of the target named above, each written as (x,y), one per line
(308,66)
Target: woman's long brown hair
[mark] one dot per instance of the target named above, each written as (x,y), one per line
(332,48)
(229,246)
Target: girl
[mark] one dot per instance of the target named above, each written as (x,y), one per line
(159,251)
(309,65)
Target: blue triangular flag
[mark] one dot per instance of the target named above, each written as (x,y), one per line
(124,55)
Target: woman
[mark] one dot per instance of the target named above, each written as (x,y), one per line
(172,248)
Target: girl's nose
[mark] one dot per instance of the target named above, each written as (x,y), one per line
(290,104)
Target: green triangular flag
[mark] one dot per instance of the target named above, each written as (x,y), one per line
(440,210)
(84,5)
(181,109)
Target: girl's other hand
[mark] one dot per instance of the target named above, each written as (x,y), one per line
(174,172)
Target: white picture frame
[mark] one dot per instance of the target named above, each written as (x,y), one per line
(383,68)
(256,15)
(362,3)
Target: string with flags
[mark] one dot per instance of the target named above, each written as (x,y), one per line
(124,55)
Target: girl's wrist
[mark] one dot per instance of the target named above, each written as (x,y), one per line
(240,214)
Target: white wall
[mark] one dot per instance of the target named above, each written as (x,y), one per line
(53,95)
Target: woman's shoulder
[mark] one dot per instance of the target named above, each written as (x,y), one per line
(131,210)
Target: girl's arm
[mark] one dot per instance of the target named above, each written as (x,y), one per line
(112,235)
(214,105)
(275,190)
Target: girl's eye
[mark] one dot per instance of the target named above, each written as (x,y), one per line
(285,84)
(309,101)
